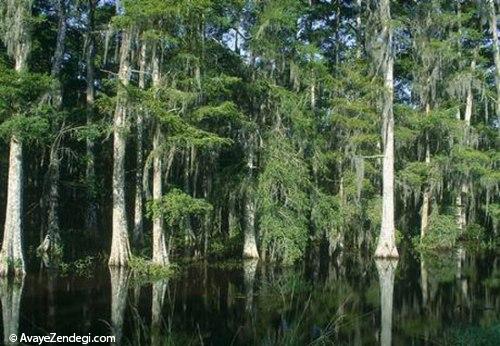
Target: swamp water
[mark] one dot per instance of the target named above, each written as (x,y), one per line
(453,298)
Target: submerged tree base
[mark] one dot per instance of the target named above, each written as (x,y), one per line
(12,266)
(386,249)
(120,254)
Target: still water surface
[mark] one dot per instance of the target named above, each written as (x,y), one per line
(453,298)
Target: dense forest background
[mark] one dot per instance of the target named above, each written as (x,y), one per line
(217,129)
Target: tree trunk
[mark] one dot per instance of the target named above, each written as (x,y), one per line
(461,200)
(359,33)
(160,253)
(138,215)
(386,269)
(387,244)
(426,200)
(50,248)
(11,256)
(250,241)
(91,216)
(120,247)
(496,55)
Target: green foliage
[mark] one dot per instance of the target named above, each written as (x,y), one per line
(442,232)
(473,233)
(493,210)
(21,112)
(84,266)
(176,205)
(441,267)
(283,201)
(327,213)
(146,271)
(292,86)
(374,213)
(32,128)
(225,111)
(414,175)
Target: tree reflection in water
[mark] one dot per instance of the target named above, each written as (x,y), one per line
(355,302)
(386,269)
(11,290)
(119,292)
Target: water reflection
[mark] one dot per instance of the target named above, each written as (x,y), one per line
(386,269)
(158,299)
(11,290)
(249,271)
(119,292)
(429,299)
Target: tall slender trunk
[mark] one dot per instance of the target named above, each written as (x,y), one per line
(359,46)
(461,200)
(12,258)
(120,246)
(496,55)
(313,93)
(11,255)
(138,215)
(51,245)
(426,200)
(250,241)
(387,243)
(160,252)
(187,221)
(91,215)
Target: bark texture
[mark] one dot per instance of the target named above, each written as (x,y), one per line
(91,216)
(250,241)
(160,252)
(387,243)
(461,200)
(51,247)
(139,194)
(426,199)
(120,246)
(12,257)
(496,54)
(17,41)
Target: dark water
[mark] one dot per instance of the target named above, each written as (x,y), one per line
(448,299)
